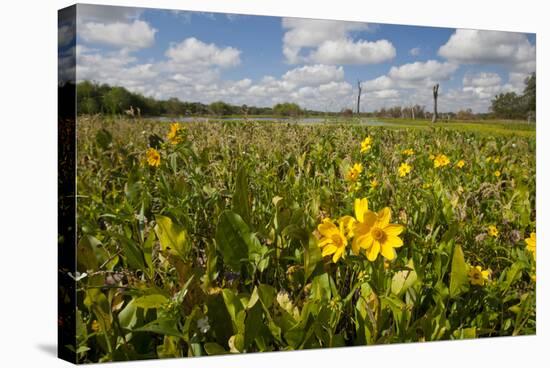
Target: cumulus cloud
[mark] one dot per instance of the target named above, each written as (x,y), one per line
(511,49)
(347,51)
(421,73)
(194,51)
(314,74)
(329,42)
(135,35)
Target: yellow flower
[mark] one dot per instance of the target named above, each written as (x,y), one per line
(153,157)
(492,230)
(531,245)
(496,160)
(366,144)
(478,276)
(95,326)
(373,183)
(441,160)
(173,135)
(432,157)
(333,240)
(348,223)
(404,169)
(497,173)
(460,164)
(374,233)
(408,152)
(354,172)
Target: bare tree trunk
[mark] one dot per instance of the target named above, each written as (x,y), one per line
(435,91)
(412,112)
(358,97)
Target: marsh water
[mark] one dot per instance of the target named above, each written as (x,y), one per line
(305,121)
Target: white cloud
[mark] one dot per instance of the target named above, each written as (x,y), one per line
(481,80)
(196,52)
(422,73)
(414,51)
(135,35)
(378,84)
(314,75)
(468,46)
(329,42)
(347,51)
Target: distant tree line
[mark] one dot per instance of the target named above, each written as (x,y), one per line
(93,98)
(510,105)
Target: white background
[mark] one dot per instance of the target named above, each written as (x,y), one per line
(28,181)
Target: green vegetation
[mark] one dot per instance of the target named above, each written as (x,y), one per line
(208,238)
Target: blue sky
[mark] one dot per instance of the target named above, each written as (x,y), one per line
(258,60)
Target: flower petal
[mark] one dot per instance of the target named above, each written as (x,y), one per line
(393,241)
(329,249)
(394,229)
(338,254)
(387,251)
(384,216)
(372,253)
(361,207)
(327,228)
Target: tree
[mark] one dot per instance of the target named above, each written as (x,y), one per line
(507,105)
(287,109)
(435,93)
(220,108)
(530,94)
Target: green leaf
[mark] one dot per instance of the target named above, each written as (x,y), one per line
(151,301)
(312,256)
(85,254)
(162,326)
(459,273)
(241,203)
(320,287)
(403,280)
(213,348)
(172,236)
(233,239)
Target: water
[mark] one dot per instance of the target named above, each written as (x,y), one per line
(305,121)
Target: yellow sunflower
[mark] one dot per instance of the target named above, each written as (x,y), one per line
(441,160)
(333,239)
(478,276)
(354,172)
(174,136)
(404,169)
(153,157)
(374,233)
(366,144)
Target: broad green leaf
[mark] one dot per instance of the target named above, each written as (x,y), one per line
(151,301)
(320,287)
(402,280)
(312,256)
(162,326)
(234,240)
(85,254)
(213,348)
(173,238)
(459,273)
(241,202)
